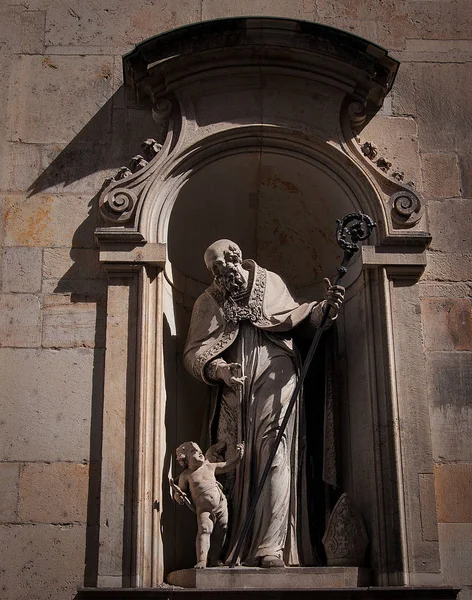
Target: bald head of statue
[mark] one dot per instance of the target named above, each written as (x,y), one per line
(224,259)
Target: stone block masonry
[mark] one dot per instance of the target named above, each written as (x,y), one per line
(67,124)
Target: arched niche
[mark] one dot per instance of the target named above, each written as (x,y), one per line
(280,206)
(256,140)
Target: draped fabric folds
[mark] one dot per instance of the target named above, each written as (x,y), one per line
(255,331)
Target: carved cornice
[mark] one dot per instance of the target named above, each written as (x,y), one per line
(169,61)
(183,77)
(404,262)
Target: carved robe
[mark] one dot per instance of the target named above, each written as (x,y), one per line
(254,330)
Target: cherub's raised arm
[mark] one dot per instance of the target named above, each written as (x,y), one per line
(225,467)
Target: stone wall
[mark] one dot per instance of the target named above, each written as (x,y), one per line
(67,125)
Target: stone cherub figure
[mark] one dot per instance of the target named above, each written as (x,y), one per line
(207,495)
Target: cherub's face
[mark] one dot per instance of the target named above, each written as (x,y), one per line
(195,456)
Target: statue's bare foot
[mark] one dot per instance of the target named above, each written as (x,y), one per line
(200,565)
(271,561)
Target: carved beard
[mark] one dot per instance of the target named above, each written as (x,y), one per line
(231,280)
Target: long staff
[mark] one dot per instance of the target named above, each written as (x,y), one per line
(352,229)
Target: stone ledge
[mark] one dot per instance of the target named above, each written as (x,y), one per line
(366,593)
(224,578)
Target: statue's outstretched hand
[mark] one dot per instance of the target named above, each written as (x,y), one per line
(334,296)
(231,375)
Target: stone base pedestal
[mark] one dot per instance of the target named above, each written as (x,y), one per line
(245,578)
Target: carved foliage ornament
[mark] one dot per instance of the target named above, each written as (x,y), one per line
(405,204)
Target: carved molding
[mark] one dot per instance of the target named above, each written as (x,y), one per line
(407,208)
(149,254)
(173,58)
(174,75)
(403,203)
(357,114)
(400,261)
(119,197)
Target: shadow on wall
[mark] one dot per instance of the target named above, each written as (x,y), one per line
(108,141)
(79,170)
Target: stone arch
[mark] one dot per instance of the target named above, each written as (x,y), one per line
(160,198)
(295,94)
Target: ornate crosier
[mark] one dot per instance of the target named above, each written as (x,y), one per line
(350,230)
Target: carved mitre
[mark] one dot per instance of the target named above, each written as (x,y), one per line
(345,540)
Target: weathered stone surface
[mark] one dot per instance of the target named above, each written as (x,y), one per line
(450,225)
(82,165)
(43,562)
(132,127)
(441,176)
(444,119)
(279,578)
(78,167)
(448,266)
(22,269)
(20,320)
(117,398)
(54,402)
(447,323)
(53,492)
(5,68)
(439,51)
(429,289)
(88,24)
(398,23)
(449,384)
(429,519)
(58,107)
(396,140)
(66,263)
(364,28)
(68,324)
(150,254)
(71,88)
(9,475)
(450,377)
(25,30)
(75,272)
(434,84)
(413,406)
(47,220)
(403,92)
(389,32)
(81,290)
(456,552)
(440,20)
(453,483)
(297,9)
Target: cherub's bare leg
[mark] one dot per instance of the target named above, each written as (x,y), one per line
(205,528)
(219,533)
